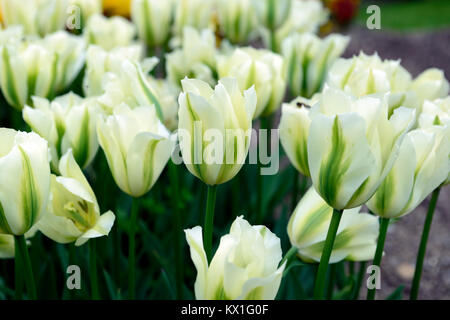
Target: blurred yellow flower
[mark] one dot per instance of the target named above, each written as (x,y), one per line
(117,7)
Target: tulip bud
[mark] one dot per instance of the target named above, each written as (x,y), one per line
(38,17)
(364,75)
(272,13)
(352,145)
(196,57)
(308,59)
(304,16)
(6,246)
(423,165)
(153,19)
(431,84)
(99,62)
(25,180)
(294,128)
(258,67)
(68,122)
(194,13)
(237,20)
(109,33)
(356,238)
(244,267)
(222,115)
(137,147)
(74,214)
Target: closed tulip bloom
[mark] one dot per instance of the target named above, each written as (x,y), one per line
(87,8)
(352,145)
(431,84)
(356,238)
(224,112)
(423,165)
(435,112)
(137,147)
(99,62)
(294,129)
(153,19)
(25,180)
(237,20)
(39,17)
(194,13)
(6,246)
(68,122)
(109,33)
(244,267)
(73,214)
(195,59)
(258,67)
(272,13)
(368,74)
(308,59)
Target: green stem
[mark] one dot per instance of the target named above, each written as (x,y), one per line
(384,224)
(132,249)
(93,269)
(26,265)
(351,268)
(326,254)
(423,245)
(288,256)
(331,279)
(359,280)
(177,230)
(209,220)
(18,274)
(294,190)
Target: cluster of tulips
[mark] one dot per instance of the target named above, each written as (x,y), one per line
(178,85)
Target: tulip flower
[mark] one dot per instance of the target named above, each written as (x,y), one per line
(422,165)
(167,95)
(431,84)
(294,129)
(6,246)
(304,16)
(109,33)
(74,214)
(24,191)
(272,13)
(222,109)
(68,122)
(196,57)
(260,68)
(40,67)
(364,75)
(25,176)
(237,20)
(38,17)
(356,237)
(99,62)
(435,112)
(153,20)
(308,59)
(137,147)
(244,267)
(194,13)
(352,146)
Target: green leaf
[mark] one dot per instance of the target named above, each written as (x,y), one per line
(397,294)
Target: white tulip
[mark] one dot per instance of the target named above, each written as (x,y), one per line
(431,84)
(244,267)
(237,20)
(194,13)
